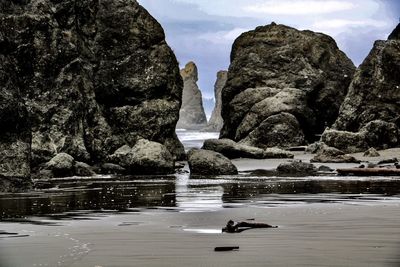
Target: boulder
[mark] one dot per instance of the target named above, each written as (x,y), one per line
(232,150)
(296,168)
(333,155)
(146,157)
(91,76)
(284,86)
(372,101)
(371,152)
(376,133)
(191,115)
(206,162)
(215,123)
(110,168)
(83,169)
(61,165)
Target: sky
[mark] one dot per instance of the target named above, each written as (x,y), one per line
(203,31)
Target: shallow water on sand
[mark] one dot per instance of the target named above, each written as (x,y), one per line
(176,220)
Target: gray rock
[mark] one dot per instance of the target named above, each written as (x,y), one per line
(191,115)
(232,150)
(110,168)
(333,155)
(377,108)
(145,157)
(83,169)
(371,152)
(206,162)
(281,130)
(93,75)
(276,69)
(216,121)
(296,168)
(324,168)
(61,165)
(376,133)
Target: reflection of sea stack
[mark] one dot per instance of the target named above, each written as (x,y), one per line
(215,123)
(370,114)
(192,115)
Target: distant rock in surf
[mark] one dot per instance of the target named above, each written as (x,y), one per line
(191,115)
(215,123)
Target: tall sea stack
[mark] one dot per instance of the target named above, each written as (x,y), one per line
(215,123)
(370,114)
(192,115)
(284,86)
(88,77)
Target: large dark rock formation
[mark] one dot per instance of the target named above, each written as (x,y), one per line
(370,114)
(284,86)
(215,123)
(192,115)
(94,76)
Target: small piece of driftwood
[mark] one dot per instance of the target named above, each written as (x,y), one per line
(225,248)
(369,171)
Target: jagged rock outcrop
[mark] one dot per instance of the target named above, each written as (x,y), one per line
(191,115)
(371,111)
(206,162)
(284,86)
(233,150)
(94,76)
(215,123)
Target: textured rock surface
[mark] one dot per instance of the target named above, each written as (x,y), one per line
(328,154)
(191,115)
(373,97)
(372,152)
(206,162)
(145,157)
(233,150)
(277,69)
(61,165)
(296,168)
(215,123)
(94,75)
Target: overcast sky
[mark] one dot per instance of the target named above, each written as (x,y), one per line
(203,30)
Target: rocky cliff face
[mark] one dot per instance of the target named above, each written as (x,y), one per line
(284,83)
(370,114)
(215,123)
(192,115)
(93,75)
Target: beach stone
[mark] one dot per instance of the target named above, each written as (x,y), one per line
(84,78)
(61,165)
(215,123)
(296,168)
(324,168)
(232,150)
(191,115)
(373,115)
(146,157)
(277,70)
(281,130)
(206,162)
(110,168)
(83,169)
(371,152)
(333,155)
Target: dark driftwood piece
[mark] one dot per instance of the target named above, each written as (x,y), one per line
(369,172)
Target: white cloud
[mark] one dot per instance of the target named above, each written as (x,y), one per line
(295,7)
(343,23)
(223,37)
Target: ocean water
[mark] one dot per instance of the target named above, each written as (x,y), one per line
(175,220)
